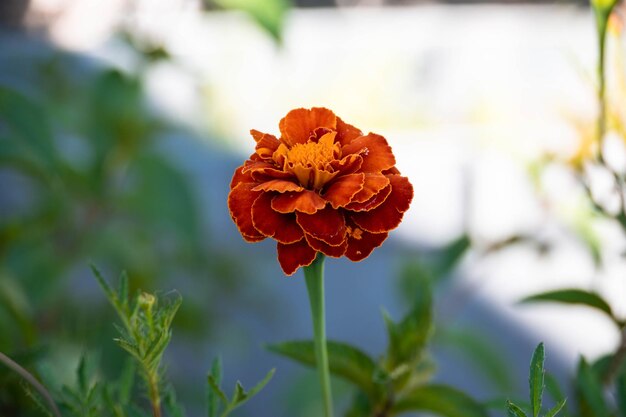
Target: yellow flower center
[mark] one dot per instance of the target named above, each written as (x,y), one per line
(310,162)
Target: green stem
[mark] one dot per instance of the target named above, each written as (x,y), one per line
(15,367)
(314,276)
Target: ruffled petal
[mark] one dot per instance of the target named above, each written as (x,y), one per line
(373,202)
(268,174)
(266,144)
(348,164)
(389,214)
(361,247)
(282,227)
(240,176)
(278,185)
(334,251)
(341,191)
(374,149)
(305,201)
(299,124)
(346,133)
(293,256)
(327,225)
(373,184)
(240,201)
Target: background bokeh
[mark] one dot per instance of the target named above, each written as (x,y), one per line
(121,123)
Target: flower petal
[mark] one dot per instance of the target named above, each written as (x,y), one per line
(266,144)
(348,164)
(282,227)
(239,176)
(299,124)
(293,256)
(374,149)
(240,201)
(278,185)
(327,225)
(361,248)
(373,184)
(346,133)
(373,202)
(389,214)
(305,201)
(334,251)
(344,189)
(268,174)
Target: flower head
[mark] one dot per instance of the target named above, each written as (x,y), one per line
(323,186)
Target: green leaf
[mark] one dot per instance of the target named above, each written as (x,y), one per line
(215,387)
(450,256)
(212,398)
(261,384)
(108,291)
(439,399)
(536,378)
(513,410)
(590,392)
(126,381)
(269,14)
(408,337)
(554,410)
(573,296)
(344,360)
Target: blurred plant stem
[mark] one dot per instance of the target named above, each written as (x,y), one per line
(602,11)
(602,15)
(314,276)
(14,366)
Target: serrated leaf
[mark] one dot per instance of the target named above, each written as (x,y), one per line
(573,296)
(513,410)
(590,392)
(554,410)
(344,360)
(536,378)
(441,400)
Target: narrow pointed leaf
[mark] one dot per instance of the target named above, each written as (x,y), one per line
(261,384)
(344,360)
(513,410)
(558,407)
(440,400)
(536,379)
(108,291)
(573,296)
(215,387)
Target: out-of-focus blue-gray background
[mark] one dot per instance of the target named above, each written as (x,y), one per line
(134,114)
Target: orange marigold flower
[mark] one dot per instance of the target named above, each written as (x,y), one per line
(323,186)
